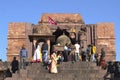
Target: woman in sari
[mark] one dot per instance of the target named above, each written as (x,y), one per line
(53,68)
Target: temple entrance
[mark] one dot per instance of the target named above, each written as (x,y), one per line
(39,39)
(60,32)
(57,37)
(62,37)
(71,34)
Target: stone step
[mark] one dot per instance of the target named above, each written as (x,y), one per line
(67,64)
(70,69)
(38,69)
(67,79)
(86,72)
(20,78)
(77,68)
(15,75)
(65,75)
(64,66)
(81,63)
(8,79)
(66,71)
(61,75)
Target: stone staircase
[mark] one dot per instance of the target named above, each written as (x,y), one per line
(67,71)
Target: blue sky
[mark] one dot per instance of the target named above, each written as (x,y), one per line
(92,11)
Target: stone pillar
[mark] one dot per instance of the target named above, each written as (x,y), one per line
(48,42)
(34,46)
(88,35)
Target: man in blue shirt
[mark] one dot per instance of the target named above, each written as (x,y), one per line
(23,57)
(44,51)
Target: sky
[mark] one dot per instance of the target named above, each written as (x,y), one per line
(92,12)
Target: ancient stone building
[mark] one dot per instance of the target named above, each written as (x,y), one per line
(69,27)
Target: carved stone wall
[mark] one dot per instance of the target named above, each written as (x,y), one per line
(17,36)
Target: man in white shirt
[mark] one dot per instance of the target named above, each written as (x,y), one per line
(65,52)
(77,51)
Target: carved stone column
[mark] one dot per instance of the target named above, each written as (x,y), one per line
(48,42)
(34,46)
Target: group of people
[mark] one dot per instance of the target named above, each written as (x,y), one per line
(40,55)
(49,61)
(79,53)
(113,70)
(23,59)
(71,52)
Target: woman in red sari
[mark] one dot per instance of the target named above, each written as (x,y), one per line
(53,68)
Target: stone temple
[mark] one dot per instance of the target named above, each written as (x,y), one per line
(70,27)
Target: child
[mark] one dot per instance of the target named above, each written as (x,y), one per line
(60,58)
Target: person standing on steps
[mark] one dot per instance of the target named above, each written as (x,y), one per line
(44,49)
(83,53)
(60,57)
(117,70)
(23,57)
(102,59)
(65,54)
(53,68)
(37,55)
(93,52)
(110,70)
(77,51)
(72,54)
(14,65)
(88,53)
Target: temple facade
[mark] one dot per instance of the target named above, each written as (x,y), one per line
(69,28)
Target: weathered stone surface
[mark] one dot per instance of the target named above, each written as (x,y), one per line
(106,39)
(72,18)
(42,29)
(105,30)
(17,36)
